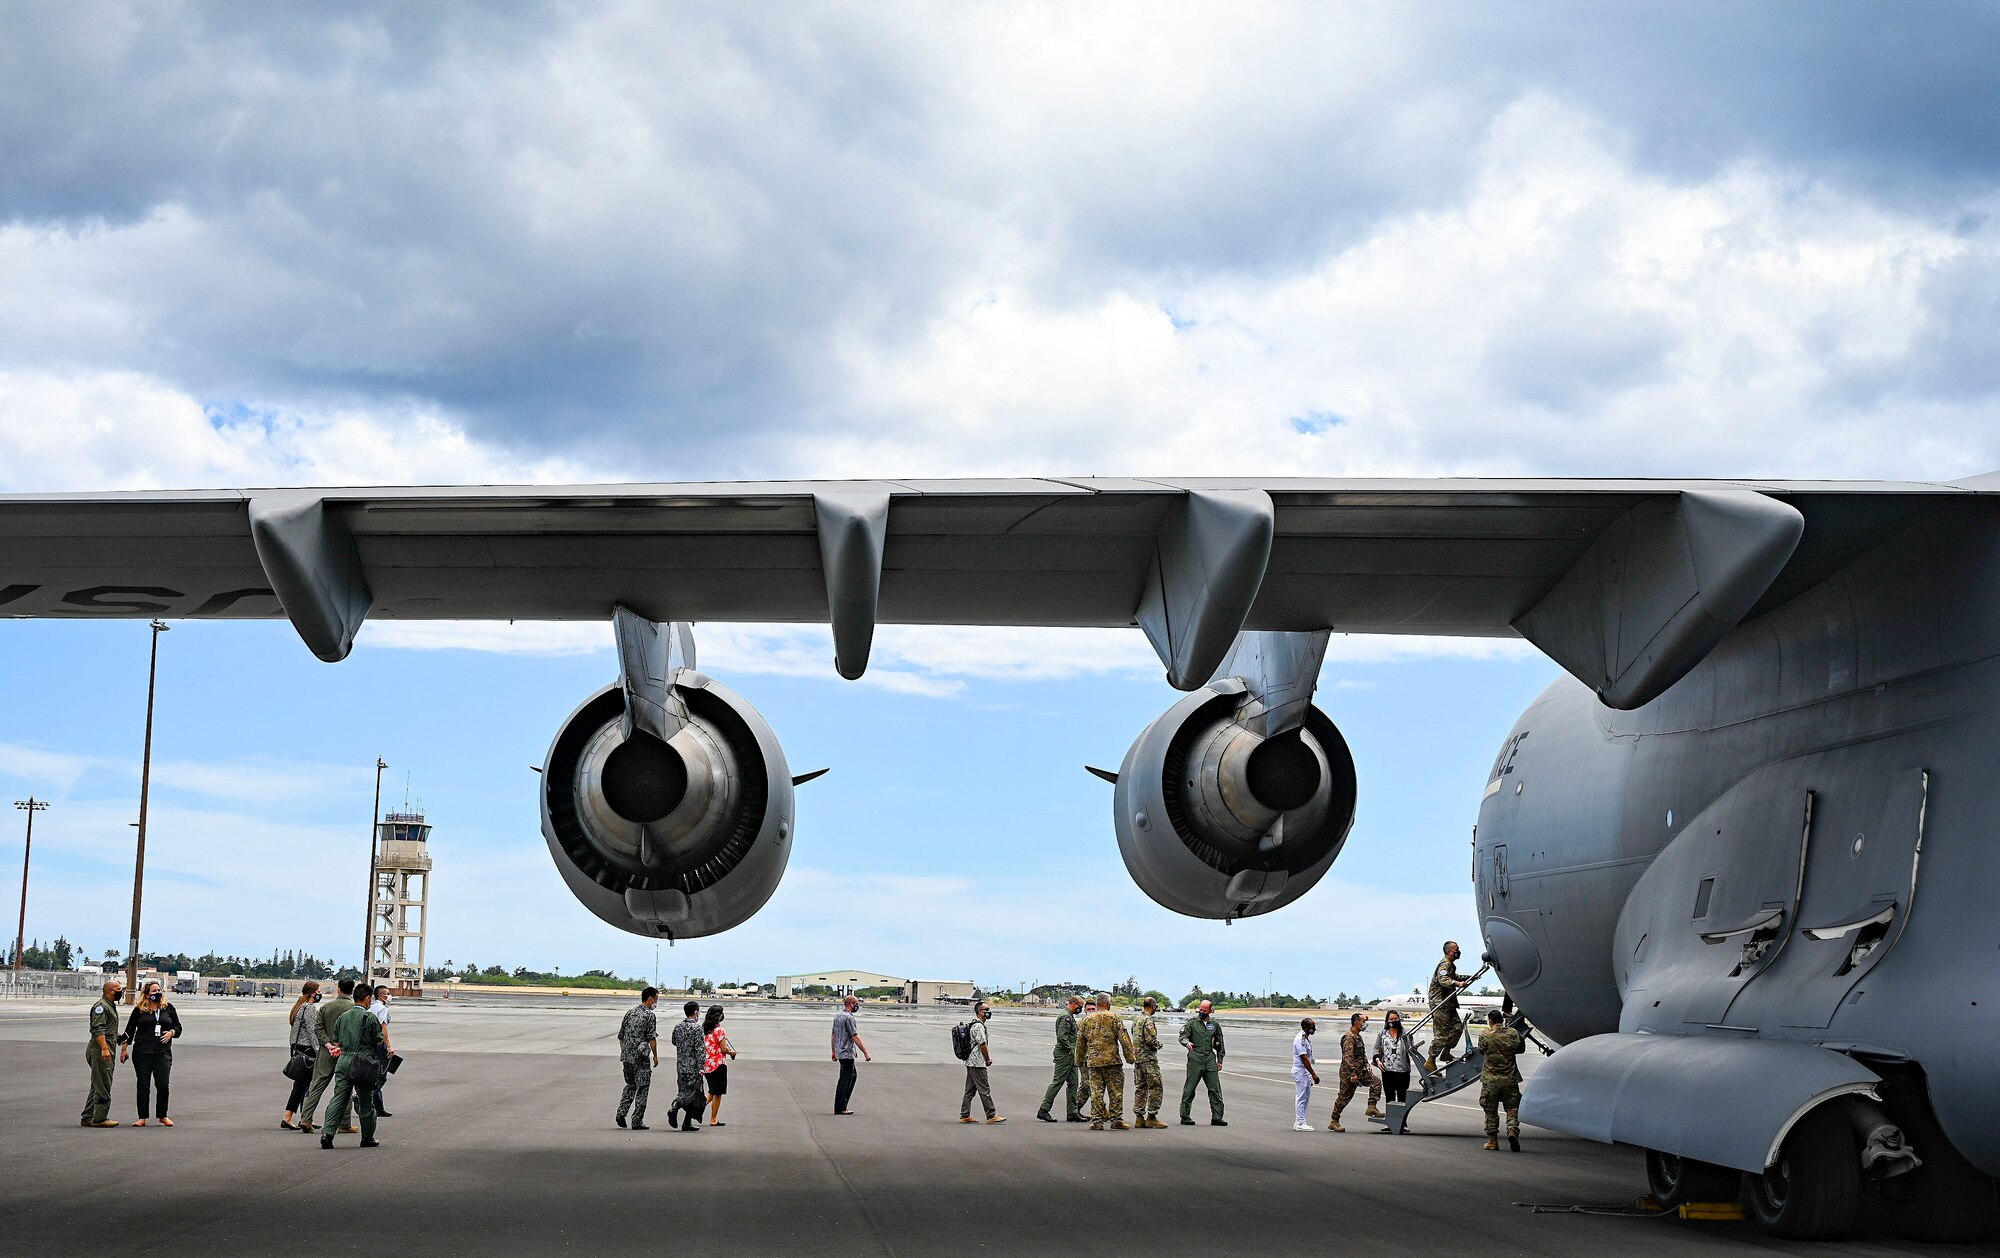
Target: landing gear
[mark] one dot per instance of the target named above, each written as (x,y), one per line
(1813,1190)
(1946,1199)
(1674,1181)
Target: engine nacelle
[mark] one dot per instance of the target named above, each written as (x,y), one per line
(1216,821)
(673,839)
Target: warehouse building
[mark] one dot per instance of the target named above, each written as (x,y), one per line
(852,982)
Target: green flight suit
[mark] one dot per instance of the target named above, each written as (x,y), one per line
(1500,1079)
(1204,1064)
(328,1013)
(1065,1072)
(357,1032)
(104,1022)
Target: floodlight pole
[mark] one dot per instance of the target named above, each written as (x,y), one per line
(145,791)
(31,806)
(374,826)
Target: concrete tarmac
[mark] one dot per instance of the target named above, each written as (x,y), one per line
(502,1143)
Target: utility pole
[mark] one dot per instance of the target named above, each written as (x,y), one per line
(374,825)
(145,790)
(31,806)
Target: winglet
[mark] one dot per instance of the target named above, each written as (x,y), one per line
(802,778)
(1106,774)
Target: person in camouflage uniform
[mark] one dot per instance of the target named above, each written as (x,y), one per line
(1103,1046)
(1065,1074)
(638,1056)
(1355,1072)
(1446,1025)
(690,1055)
(1500,1081)
(1148,1089)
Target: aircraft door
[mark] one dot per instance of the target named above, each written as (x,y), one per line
(1860,886)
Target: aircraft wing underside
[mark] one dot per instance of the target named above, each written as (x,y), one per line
(1191,561)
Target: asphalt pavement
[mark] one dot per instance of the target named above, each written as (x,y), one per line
(502,1143)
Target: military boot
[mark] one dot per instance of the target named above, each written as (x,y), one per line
(1333,1124)
(1374,1113)
(1431,1064)
(1492,1143)
(1119,1124)
(1097,1124)
(1513,1142)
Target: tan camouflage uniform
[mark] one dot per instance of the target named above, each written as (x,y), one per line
(1500,1081)
(1148,1089)
(1354,1072)
(1103,1045)
(1446,1026)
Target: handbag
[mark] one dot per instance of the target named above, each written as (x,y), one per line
(299,1067)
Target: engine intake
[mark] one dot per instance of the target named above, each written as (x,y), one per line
(1215,820)
(674,838)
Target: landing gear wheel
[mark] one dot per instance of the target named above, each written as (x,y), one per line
(1813,1190)
(1674,1181)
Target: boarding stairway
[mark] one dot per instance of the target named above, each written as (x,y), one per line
(1457,1075)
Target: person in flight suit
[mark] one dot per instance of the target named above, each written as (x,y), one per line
(1500,1081)
(1147,1088)
(356,1032)
(1103,1046)
(1446,1025)
(1202,1036)
(99,1054)
(1065,1073)
(1355,1072)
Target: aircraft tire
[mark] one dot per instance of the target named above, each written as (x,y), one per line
(1674,1181)
(1813,1190)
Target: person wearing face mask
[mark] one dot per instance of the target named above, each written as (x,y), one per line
(1392,1055)
(304,1042)
(379,1009)
(1355,1072)
(1201,1035)
(149,1044)
(98,1054)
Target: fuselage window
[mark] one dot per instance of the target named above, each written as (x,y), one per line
(1702,895)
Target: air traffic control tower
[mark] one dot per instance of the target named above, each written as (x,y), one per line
(401,899)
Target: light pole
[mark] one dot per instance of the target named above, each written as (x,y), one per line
(31,806)
(145,790)
(374,825)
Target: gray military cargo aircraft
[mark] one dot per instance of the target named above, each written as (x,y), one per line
(1733,860)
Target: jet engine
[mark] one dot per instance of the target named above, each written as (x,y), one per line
(1216,820)
(677,837)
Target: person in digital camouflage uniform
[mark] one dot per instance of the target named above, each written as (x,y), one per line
(1148,1089)
(638,1056)
(1446,1026)
(1354,1073)
(1500,1081)
(690,1054)
(1103,1046)
(1065,1073)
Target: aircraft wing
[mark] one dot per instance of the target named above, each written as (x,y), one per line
(1191,561)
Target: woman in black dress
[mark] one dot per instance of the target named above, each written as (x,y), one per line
(149,1043)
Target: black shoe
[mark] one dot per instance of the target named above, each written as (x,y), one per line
(1218,1122)
(371,1144)
(285,1126)
(326,1142)
(674,1117)
(1514,1143)
(690,1125)
(1187,1122)
(640,1127)
(1076,1118)
(382,1113)
(619,1119)
(1045,1116)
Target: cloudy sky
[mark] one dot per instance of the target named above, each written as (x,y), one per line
(242,245)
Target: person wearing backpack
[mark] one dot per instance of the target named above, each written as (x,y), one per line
(969,1044)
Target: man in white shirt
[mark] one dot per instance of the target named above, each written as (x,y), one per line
(1304,1073)
(977,1062)
(379,1007)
